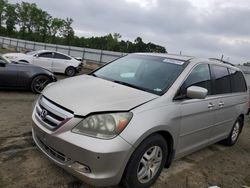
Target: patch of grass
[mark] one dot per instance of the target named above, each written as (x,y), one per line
(5,50)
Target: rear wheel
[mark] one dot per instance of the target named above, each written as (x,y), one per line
(234,134)
(146,163)
(39,83)
(70,71)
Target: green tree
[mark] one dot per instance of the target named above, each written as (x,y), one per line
(45,25)
(11,18)
(55,28)
(36,24)
(68,32)
(23,10)
(3,4)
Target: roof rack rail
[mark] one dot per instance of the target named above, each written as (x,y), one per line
(220,60)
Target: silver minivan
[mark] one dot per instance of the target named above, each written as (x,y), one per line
(126,121)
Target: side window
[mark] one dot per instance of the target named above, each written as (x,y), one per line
(45,55)
(238,82)
(200,76)
(61,56)
(221,83)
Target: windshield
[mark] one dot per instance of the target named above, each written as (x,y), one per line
(149,73)
(4,59)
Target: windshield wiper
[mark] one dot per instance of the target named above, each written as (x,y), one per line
(93,74)
(131,85)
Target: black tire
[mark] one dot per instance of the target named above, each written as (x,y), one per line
(235,133)
(135,165)
(39,83)
(70,71)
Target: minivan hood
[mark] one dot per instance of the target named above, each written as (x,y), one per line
(86,94)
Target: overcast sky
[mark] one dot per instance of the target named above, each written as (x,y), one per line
(204,28)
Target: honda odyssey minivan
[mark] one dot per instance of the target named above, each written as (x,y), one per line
(126,121)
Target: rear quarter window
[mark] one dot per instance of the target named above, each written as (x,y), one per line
(61,56)
(238,82)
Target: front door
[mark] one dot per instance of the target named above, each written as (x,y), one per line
(44,60)
(8,75)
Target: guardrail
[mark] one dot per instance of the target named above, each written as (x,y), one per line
(88,54)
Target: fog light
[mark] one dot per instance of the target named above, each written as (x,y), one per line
(80,167)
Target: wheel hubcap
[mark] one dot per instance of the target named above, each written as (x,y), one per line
(235,132)
(70,72)
(40,84)
(149,164)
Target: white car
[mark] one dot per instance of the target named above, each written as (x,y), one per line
(51,60)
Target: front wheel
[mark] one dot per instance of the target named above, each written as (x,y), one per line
(39,83)
(146,163)
(70,71)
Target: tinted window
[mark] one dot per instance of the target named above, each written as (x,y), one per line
(238,83)
(222,80)
(61,56)
(149,73)
(45,55)
(200,76)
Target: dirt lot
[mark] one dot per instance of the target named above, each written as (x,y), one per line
(23,165)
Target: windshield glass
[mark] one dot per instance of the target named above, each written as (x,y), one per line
(4,59)
(149,73)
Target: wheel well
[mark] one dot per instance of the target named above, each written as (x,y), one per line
(23,61)
(69,67)
(241,117)
(169,139)
(32,78)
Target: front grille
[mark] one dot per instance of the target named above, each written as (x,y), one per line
(52,152)
(51,115)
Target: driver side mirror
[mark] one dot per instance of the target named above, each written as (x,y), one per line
(2,63)
(195,92)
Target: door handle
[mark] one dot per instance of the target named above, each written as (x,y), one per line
(221,104)
(210,105)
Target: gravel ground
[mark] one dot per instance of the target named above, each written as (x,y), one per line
(23,165)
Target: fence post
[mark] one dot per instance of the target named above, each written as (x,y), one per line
(3,41)
(34,46)
(10,43)
(45,46)
(25,44)
(83,54)
(17,46)
(56,47)
(69,51)
(101,57)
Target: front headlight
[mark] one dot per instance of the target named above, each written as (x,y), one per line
(104,126)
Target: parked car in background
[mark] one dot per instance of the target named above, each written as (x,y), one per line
(150,110)
(16,75)
(54,61)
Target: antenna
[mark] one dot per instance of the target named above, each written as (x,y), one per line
(222,56)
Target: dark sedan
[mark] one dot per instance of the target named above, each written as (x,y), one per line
(24,76)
